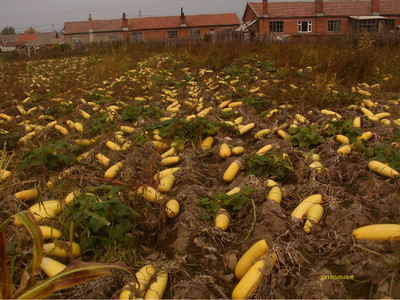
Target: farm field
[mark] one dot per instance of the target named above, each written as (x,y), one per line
(94,132)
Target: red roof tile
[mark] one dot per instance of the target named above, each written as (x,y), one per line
(331,8)
(107,25)
(76,27)
(190,21)
(153,23)
(23,37)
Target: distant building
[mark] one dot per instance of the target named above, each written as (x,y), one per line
(148,28)
(26,41)
(319,17)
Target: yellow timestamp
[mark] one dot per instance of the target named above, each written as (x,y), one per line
(336,277)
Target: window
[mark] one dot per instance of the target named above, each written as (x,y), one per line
(137,36)
(212,31)
(304,26)
(334,25)
(371,25)
(195,33)
(77,41)
(227,30)
(172,34)
(276,26)
(114,38)
(390,23)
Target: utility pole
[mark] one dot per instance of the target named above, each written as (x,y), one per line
(140,13)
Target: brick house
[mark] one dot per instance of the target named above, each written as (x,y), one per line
(12,42)
(148,28)
(319,17)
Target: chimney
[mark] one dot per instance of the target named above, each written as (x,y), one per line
(124,21)
(375,7)
(183,21)
(265,8)
(319,7)
(125,29)
(91,31)
(90,23)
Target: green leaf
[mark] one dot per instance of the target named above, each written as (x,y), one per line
(77,272)
(30,223)
(97,217)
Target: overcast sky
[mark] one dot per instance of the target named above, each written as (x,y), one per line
(42,14)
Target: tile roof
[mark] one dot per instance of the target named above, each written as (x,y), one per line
(153,23)
(24,37)
(107,25)
(190,21)
(76,27)
(331,8)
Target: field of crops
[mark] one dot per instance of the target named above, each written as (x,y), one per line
(184,158)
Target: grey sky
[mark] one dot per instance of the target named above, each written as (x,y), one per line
(41,14)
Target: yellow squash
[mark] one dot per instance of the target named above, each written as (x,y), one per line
(112,172)
(49,232)
(342,139)
(166,183)
(104,160)
(51,267)
(246,128)
(64,251)
(314,214)
(378,232)
(245,262)
(27,195)
(224,151)
(237,150)
(231,172)
(345,149)
(382,169)
(143,276)
(305,205)
(275,194)
(172,208)
(222,219)
(261,133)
(150,194)
(169,161)
(207,143)
(251,280)
(157,288)
(264,150)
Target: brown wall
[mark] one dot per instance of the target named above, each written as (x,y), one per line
(249,15)
(319,25)
(147,34)
(182,32)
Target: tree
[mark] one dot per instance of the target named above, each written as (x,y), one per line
(8,30)
(30,30)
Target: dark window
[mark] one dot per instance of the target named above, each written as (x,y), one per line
(137,36)
(195,33)
(77,41)
(390,23)
(276,26)
(368,25)
(304,26)
(334,25)
(114,38)
(172,34)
